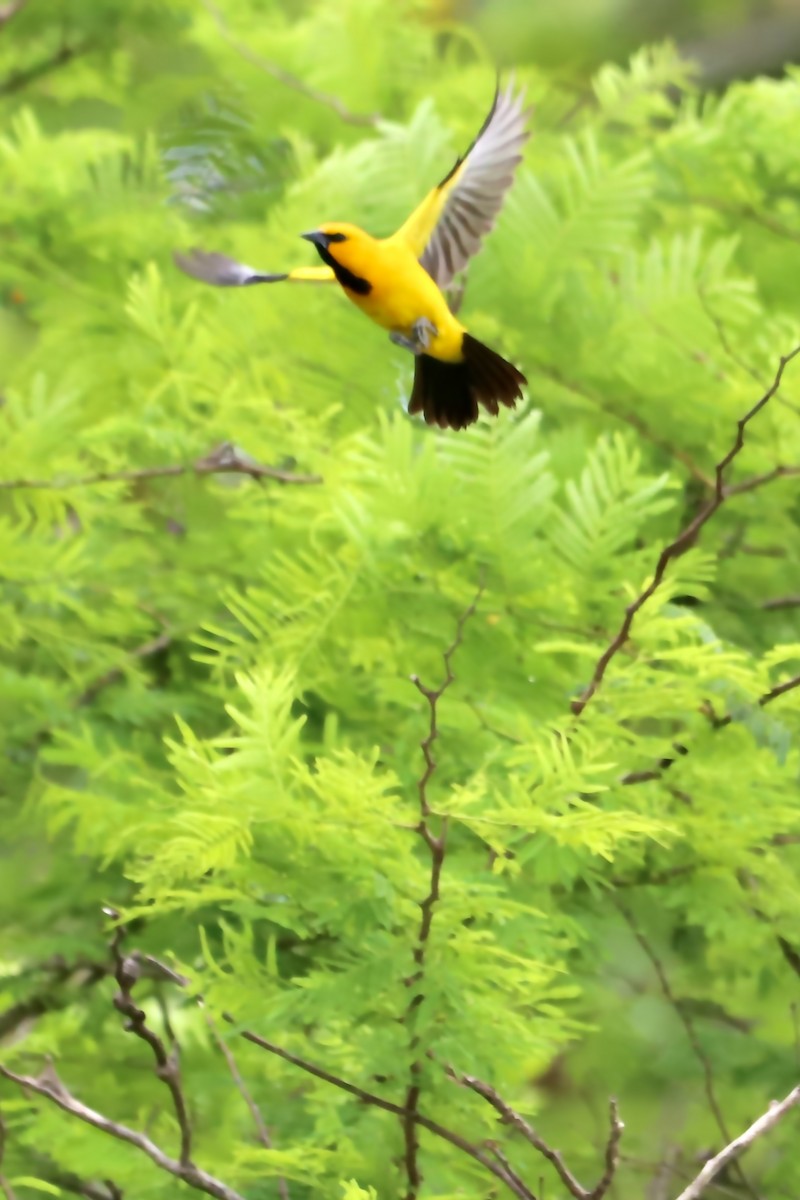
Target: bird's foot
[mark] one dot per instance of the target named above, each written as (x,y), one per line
(422,333)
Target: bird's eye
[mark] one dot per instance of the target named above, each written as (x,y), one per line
(337,237)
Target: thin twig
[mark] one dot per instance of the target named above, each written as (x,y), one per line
(509,1116)
(682,542)
(664,764)
(515,1120)
(688,1025)
(371,1099)
(766,1122)
(286,77)
(226,459)
(757,481)
(437,845)
(127,971)
(264,1135)
(616,1130)
(60,58)
(54,1091)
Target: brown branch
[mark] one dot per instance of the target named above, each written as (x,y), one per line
(757,481)
(286,77)
(615,1132)
(127,971)
(731,1152)
(436,844)
(53,1090)
(371,1099)
(688,1025)
(516,1121)
(226,459)
(682,542)
(264,1135)
(509,1116)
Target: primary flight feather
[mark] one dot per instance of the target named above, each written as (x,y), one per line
(398,281)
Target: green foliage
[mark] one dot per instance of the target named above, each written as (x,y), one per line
(207,715)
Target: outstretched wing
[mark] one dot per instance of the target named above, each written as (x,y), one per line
(221,271)
(448,226)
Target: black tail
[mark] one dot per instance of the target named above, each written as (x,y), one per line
(448,394)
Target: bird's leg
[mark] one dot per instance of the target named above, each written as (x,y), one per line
(422,332)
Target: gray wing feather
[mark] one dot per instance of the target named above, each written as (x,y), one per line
(472,207)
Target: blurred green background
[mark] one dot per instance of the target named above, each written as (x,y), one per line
(206,716)
(726,38)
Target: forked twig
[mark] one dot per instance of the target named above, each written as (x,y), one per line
(682,542)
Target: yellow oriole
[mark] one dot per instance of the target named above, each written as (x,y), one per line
(398,281)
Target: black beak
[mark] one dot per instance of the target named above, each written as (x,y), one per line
(317,237)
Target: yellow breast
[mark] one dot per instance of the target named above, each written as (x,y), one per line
(401,292)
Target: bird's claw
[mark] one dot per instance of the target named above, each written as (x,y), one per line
(423,331)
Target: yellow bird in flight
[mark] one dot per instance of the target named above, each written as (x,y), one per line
(398,281)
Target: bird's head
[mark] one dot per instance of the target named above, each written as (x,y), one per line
(347,250)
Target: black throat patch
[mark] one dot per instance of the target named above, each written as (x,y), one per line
(353,283)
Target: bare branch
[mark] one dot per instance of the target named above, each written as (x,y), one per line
(226,459)
(766,1122)
(57,1094)
(688,1025)
(370,1098)
(682,542)
(286,77)
(436,844)
(255,1112)
(127,971)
